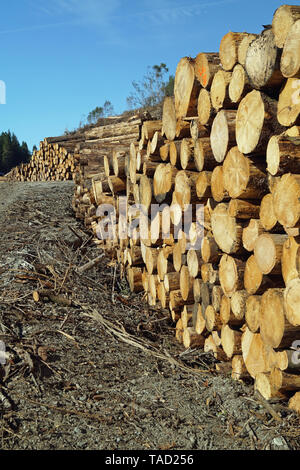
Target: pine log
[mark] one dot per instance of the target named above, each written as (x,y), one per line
(219,92)
(288,109)
(290,58)
(283,155)
(267,217)
(239,84)
(292,301)
(253,312)
(239,369)
(218,190)
(191,339)
(243,47)
(163,181)
(256,121)
(255,353)
(216,297)
(212,319)
(263,62)
(186,88)
(231,341)
(294,403)
(206,65)
(169,118)
(210,251)
(268,252)
(226,230)
(203,154)
(229,49)
(290,260)
(283,18)
(231,274)
(243,209)
(243,178)
(222,136)
(286,196)
(205,110)
(275,330)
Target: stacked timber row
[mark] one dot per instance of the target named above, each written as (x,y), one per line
(229,140)
(54,161)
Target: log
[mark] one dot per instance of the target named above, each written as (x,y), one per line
(267,217)
(290,260)
(169,118)
(239,84)
(228,51)
(288,109)
(191,339)
(203,155)
(255,353)
(294,403)
(284,382)
(219,92)
(218,190)
(194,262)
(226,230)
(226,314)
(243,178)
(252,276)
(243,47)
(256,121)
(283,18)
(263,62)
(275,331)
(222,136)
(216,297)
(217,351)
(268,252)
(212,319)
(231,274)
(186,88)
(239,369)
(205,110)
(243,209)
(210,250)
(253,312)
(286,196)
(231,341)
(238,305)
(290,60)
(185,283)
(292,301)
(209,274)
(203,189)
(197,289)
(163,181)
(283,155)
(206,66)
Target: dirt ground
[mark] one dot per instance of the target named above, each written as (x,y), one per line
(94,368)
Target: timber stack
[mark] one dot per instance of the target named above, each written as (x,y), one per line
(229,140)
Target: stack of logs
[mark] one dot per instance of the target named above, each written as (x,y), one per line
(54,161)
(229,140)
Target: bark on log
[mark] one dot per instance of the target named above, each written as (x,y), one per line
(263,62)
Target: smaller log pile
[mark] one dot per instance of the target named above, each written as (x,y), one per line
(54,161)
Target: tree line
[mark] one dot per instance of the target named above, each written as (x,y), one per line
(12,153)
(149,92)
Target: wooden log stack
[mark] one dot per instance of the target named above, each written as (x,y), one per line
(229,140)
(229,143)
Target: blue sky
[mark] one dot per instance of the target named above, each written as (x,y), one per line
(62,58)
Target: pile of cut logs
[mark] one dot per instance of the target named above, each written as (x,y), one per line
(229,140)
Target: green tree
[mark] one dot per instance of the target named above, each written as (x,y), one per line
(100,112)
(11,152)
(152,89)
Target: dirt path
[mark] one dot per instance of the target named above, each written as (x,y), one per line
(75,379)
